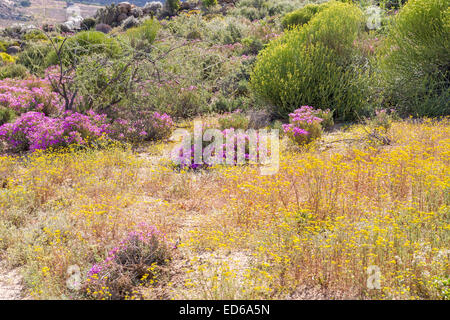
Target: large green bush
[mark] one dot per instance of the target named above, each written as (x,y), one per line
(85,43)
(314,65)
(34,57)
(303,15)
(13,71)
(416,61)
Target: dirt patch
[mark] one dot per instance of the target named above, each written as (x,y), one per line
(11,284)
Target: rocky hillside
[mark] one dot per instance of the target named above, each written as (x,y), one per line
(9,11)
(139,3)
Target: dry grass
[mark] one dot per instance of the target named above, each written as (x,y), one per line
(311,231)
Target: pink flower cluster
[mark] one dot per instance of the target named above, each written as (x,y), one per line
(304,124)
(232,141)
(35,131)
(29,95)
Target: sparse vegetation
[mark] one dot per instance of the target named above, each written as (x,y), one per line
(94,203)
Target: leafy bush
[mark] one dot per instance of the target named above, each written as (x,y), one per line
(260,9)
(236,120)
(35,131)
(314,65)
(139,126)
(302,16)
(6,115)
(33,35)
(209,3)
(13,71)
(34,57)
(88,23)
(146,32)
(85,43)
(416,61)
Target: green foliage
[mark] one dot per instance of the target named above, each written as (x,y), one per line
(6,115)
(236,120)
(173,6)
(260,9)
(415,62)
(34,57)
(209,3)
(33,35)
(95,85)
(3,46)
(302,16)
(145,33)
(13,71)
(83,44)
(314,65)
(88,23)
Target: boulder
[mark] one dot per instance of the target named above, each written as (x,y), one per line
(103,27)
(121,17)
(13,50)
(124,7)
(185,6)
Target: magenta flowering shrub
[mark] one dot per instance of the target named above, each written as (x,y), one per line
(232,140)
(305,124)
(29,95)
(142,126)
(135,261)
(35,131)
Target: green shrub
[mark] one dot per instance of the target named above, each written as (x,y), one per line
(88,23)
(86,43)
(13,71)
(260,9)
(236,120)
(416,64)
(209,3)
(34,57)
(146,32)
(302,16)
(34,35)
(314,65)
(6,115)
(3,46)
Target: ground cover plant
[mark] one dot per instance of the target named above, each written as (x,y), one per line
(96,204)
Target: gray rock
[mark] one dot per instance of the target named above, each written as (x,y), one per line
(13,50)
(121,17)
(124,7)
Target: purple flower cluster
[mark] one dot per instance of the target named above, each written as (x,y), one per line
(232,141)
(29,95)
(304,124)
(35,131)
